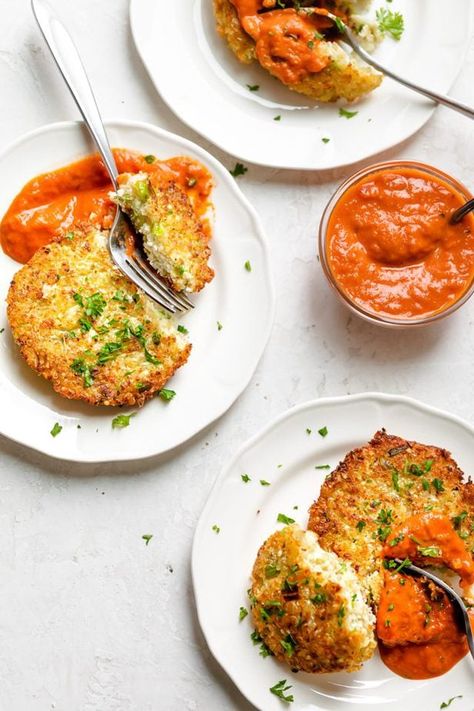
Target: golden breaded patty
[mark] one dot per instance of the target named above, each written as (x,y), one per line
(345,77)
(173,237)
(86,328)
(307,605)
(376,488)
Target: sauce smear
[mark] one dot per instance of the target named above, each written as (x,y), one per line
(390,246)
(76,197)
(419,636)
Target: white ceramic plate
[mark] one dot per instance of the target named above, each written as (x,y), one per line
(246,514)
(206,86)
(221,363)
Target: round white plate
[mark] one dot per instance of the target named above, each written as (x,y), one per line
(206,86)
(246,513)
(221,363)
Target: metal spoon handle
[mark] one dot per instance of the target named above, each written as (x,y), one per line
(439,98)
(69,64)
(462,211)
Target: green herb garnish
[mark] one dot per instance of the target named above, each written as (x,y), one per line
(347,114)
(147,538)
(56,429)
(243,612)
(239,169)
(390,22)
(166,394)
(245,478)
(323,431)
(121,421)
(281,518)
(279,690)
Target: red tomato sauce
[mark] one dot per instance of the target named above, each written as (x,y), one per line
(419,637)
(287,42)
(76,196)
(391,248)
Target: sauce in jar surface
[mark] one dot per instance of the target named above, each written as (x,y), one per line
(390,247)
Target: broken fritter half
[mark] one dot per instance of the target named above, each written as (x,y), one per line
(296,44)
(378,487)
(173,238)
(82,325)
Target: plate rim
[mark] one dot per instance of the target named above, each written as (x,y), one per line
(260,435)
(259,234)
(333,165)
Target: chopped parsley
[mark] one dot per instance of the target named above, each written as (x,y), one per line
(243,612)
(429,551)
(319,598)
(277,118)
(216,528)
(121,421)
(308,430)
(390,22)
(149,159)
(248,266)
(166,394)
(457,520)
(438,485)
(395,565)
(347,114)
(182,329)
(339,24)
(445,704)
(245,478)
(56,429)
(219,326)
(80,367)
(395,480)
(279,690)
(253,87)
(395,541)
(289,645)
(239,169)
(147,538)
(281,518)
(263,482)
(323,431)
(360,525)
(322,466)
(340,615)
(325,140)
(272,570)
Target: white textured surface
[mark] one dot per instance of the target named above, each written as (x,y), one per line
(90,618)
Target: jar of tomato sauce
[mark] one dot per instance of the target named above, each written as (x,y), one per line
(387,246)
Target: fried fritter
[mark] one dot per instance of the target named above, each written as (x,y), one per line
(307,605)
(173,237)
(376,488)
(344,77)
(86,328)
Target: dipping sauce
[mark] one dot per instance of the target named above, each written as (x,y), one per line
(389,246)
(418,634)
(76,196)
(287,42)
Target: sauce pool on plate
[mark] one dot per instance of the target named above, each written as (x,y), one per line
(76,196)
(419,636)
(390,248)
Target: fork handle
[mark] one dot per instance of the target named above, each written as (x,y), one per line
(70,65)
(438,98)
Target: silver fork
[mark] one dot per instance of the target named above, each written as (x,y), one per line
(132,263)
(438,98)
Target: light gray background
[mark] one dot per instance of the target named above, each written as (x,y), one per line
(90,618)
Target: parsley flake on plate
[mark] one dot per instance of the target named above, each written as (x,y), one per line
(239,169)
(325,140)
(147,538)
(445,704)
(263,482)
(323,431)
(253,87)
(182,329)
(166,394)
(279,690)
(219,326)
(56,429)
(216,528)
(149,159)
(243,612)
(245,478)
(277,118)
(281,518)
(322,466)
(121,421)
(390,22)
(347,114)
(308,430)
(248,266)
